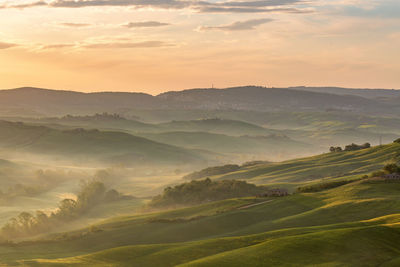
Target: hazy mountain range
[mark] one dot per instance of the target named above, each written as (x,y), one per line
(35,101)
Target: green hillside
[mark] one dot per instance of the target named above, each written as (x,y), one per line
(355,223)
(91,145)
(328,166)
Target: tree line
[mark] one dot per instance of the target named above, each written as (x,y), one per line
(92,193)
(351,147)
(201,191)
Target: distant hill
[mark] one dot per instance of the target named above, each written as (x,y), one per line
(270,99)
(91,145)
(55,102)
(367,93)
(269,146)
(221,126)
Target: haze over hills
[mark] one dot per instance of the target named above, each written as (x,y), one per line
(54,102)
(321,227)
(367,93)
(91,146)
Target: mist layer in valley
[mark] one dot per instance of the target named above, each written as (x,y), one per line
(136,145)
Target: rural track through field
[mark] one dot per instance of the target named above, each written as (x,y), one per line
(255,204)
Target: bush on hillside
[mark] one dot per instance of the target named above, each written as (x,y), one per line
(391,168)
(354,147)
(335,149)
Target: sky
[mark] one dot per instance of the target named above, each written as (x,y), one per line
(154,46)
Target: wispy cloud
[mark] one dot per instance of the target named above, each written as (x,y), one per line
(237,26)
(74,25)
(260,6)
(145,24)
(136,3)
(25,5)
(7,45)
(56,46)
(105,45)
(113,45)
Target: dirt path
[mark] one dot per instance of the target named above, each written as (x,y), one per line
(252,205)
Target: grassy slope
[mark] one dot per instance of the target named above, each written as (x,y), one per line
(328,166)
(353,221)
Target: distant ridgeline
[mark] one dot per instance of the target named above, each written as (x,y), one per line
(201,191)
(351,147)
(212,171)
(217,170)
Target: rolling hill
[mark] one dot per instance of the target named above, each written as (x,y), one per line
(325,167)
(91,145)
(267,147)
(354,224)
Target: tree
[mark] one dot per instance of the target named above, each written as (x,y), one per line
(391,168)
(335,149)
(67,208)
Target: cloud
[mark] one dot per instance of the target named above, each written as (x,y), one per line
(260,6)
(57,46)
(111,44)
(74,25)
(27,5)
(237,26)
(145,44)
(6,45)
(212,9)
(136,3)
(145,24)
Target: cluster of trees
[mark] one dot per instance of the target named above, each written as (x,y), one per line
(97,116)
(351,147)
(212,171)
(92,193)
(201,191)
